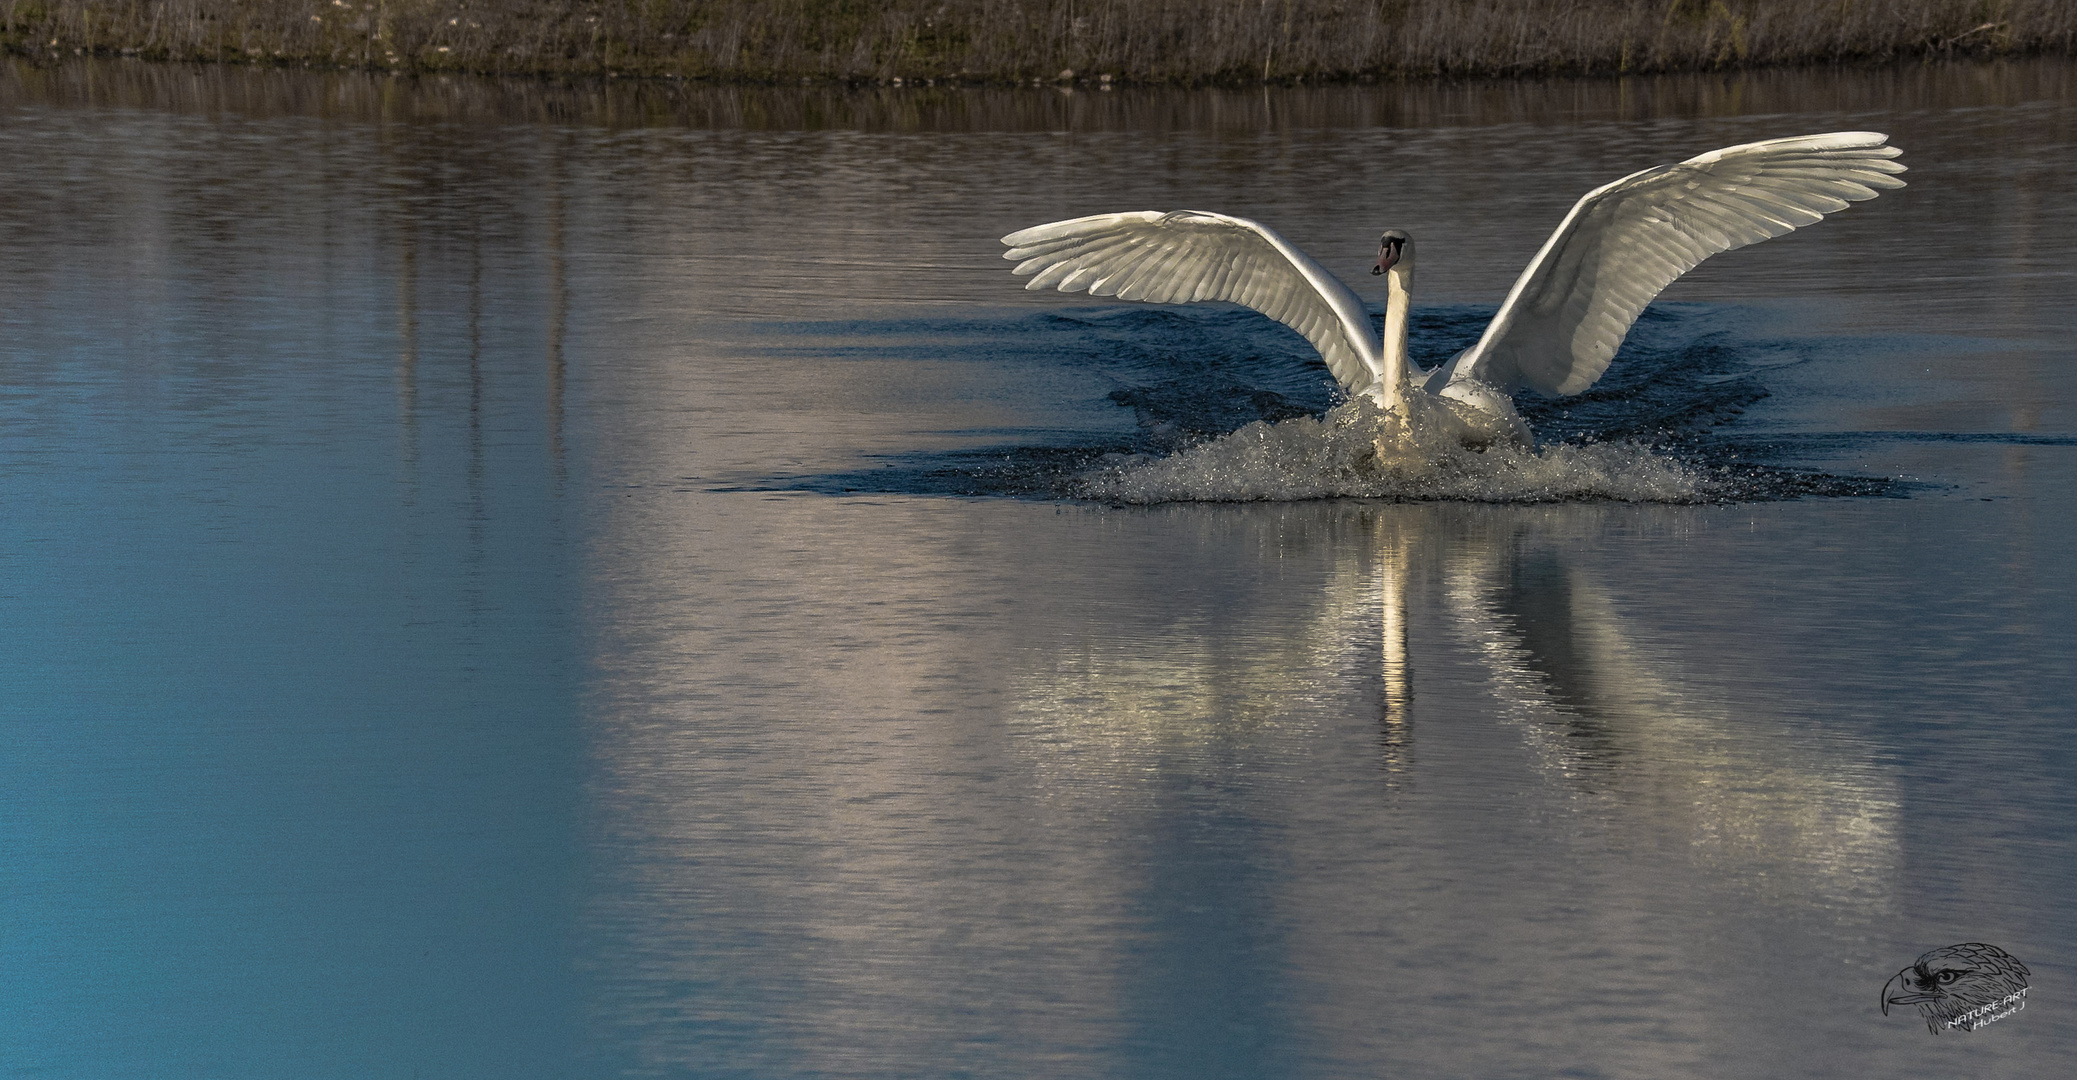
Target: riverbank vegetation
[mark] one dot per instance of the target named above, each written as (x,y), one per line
(1006,41)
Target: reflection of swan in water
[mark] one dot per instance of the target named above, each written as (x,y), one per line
(1763,804)
(1558,328)
(1606,726)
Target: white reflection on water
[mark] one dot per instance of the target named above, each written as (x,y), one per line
(1605,725)
(1781,814)
(1609,748)
(1193,790)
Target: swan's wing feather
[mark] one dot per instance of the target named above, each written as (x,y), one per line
(1190,255)
(1622,244)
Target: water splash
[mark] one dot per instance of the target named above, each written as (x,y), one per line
(1228,406)
(1359,451)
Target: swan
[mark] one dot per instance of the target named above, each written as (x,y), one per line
(1620,246)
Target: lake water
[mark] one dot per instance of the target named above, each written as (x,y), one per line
(513,580)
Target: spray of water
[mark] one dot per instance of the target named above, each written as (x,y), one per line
(1360,451)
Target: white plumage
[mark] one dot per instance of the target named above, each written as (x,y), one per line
(1561,324)
(1188,255)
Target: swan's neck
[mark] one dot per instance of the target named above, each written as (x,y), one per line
(1398,300)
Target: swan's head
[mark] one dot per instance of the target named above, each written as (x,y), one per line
(1395,249)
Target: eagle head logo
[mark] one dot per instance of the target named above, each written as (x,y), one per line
(1961,986)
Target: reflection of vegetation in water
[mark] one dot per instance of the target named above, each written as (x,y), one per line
(1045,40)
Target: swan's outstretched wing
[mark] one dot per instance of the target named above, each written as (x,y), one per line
(1187,255)
(1624,243)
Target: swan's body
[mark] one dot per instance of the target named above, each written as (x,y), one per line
(1561,323)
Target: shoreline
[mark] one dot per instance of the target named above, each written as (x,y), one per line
(1851,93)
(984,43)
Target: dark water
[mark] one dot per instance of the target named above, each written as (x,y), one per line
(506,580)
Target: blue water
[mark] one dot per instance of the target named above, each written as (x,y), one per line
(501,580)
(1191,376)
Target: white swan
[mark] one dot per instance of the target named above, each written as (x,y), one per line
(1559,326)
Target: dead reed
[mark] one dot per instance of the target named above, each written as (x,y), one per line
(999,41)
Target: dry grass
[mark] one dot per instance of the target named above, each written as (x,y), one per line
(1143,41)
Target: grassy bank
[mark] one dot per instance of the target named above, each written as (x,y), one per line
(1000,41)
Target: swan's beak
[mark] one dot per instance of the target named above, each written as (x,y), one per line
(1387,257)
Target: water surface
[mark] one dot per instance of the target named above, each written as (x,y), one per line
(517,580)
